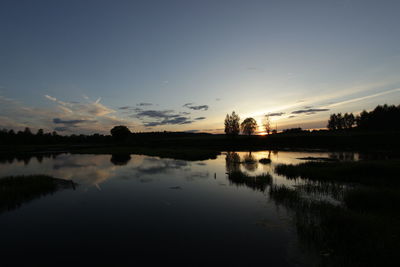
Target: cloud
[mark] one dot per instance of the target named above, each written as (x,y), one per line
(61,129)
(158,114)
(200,118)
(50,98)
(69,122)
(200,107)
(276,114)
(364,97)
(309,111)
(124,107)
(89,108)
(144,104)
(177,120)
(161,117)
(291,116)
(256,69)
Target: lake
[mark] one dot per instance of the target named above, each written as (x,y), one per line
(131,209)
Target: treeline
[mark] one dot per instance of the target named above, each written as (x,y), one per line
(118,134)
(10,137)
(381,118)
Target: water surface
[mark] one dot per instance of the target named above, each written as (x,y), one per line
(134,208)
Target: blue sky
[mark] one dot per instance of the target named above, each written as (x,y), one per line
(84,66)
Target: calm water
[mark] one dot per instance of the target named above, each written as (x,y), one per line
(135,209)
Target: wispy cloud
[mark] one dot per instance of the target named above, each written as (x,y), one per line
(309,111)
(69,122)
(152,118)
(200,118)
(172,121)
(143,104)
(193,107)
(89,108)
(276,114)
(363,98)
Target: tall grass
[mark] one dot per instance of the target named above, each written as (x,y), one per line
(383,172)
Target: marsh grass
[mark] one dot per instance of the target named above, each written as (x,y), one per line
(17,190)
(342,235)
(364,229)
(257,182)
(382,172)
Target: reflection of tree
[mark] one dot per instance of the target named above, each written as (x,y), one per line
(250,162)
(232,162)
(258,182)
(347,156)
(17,190)
(120,159)
(26,158)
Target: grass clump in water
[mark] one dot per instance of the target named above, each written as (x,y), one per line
(382,172)
(17,190)
(257,182)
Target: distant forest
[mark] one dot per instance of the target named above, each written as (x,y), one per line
(382,118)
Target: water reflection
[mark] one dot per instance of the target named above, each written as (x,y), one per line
(18,190)
(249,162)
(120,159)
(189,205)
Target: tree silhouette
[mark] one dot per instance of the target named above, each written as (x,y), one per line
(348,120)
(267,124)
(249,126)
(232,124)
(120,133)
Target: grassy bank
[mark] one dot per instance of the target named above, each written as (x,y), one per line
(363,229)
(378,172)
(17,190)
(337,140)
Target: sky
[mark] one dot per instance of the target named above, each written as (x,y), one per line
(86,66)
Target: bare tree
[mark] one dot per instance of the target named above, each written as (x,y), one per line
(267,124)
(249,126)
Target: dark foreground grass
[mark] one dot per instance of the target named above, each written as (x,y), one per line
(364,229)
(17,190)
(344,235)
(257,182)
(379,172)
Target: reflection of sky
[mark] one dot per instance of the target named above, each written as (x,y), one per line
(150,202)
(94,170)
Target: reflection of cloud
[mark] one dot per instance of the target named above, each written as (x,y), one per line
(152,166)
(200,107)
(197,175)
(309,111)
